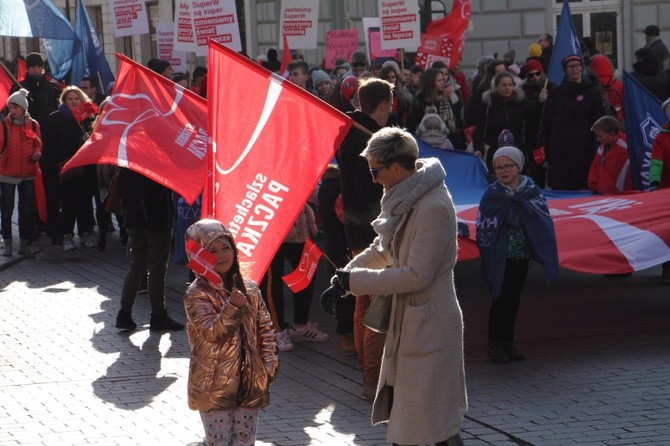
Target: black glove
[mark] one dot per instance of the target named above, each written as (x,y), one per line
(343,277)
(330,296)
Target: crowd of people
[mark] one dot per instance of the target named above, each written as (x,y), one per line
(388,220)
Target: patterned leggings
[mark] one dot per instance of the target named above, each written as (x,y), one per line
(235,427)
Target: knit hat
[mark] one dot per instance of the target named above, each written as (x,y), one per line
(34,60)
(652,30)
(512,153)
(158,65)
(506,138)
(534,65)
(19,98)
(319,77)
(348,87)
(569,58)
(535,50)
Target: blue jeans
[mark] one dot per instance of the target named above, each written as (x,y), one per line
(26,206)
(149,253)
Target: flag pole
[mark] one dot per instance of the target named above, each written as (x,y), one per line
(10,75)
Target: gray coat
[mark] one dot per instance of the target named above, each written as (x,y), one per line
(423,354)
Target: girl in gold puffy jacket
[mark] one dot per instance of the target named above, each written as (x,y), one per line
(233,343)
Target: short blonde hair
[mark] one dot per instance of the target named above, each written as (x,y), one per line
(392,144)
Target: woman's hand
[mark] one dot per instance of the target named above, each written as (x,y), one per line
(36,156)
(479,153)
(238,298)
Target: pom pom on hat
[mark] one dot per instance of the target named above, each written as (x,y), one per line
(506,138)
(535,50)
(512,153)
(19,98)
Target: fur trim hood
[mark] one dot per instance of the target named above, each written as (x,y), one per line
(488,96)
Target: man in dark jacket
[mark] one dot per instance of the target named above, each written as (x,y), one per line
(648,72)
(565,128)
(148,211)
(652,37)
(361,201)
(44,95)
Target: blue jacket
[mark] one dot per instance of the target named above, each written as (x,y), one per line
(499,211)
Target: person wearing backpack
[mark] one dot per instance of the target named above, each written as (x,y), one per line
(21,149)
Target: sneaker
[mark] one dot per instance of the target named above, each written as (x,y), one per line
(284,343)
(87,240)
(68,243)
(309,332)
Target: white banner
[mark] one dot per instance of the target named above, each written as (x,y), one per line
(400,24)
(165,44)
(299,23)
(130,17)
(184,36)
(197,21)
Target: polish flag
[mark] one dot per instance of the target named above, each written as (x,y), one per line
(304,273)
(201,261)
(271,142)
(151,126)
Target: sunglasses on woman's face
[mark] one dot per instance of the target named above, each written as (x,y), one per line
(535,74)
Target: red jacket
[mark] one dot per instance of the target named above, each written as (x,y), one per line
(22,141)
(660,150)
(610,169)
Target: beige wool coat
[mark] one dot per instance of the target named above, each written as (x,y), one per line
(423,354)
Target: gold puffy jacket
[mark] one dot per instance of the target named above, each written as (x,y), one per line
(229,346)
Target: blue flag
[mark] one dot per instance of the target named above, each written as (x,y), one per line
(41,18)
(566,43)
(644,119)
(91,61)
(466,174)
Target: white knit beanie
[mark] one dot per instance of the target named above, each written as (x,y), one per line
(512,153)
(19,98)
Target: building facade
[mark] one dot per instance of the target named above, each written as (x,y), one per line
(496,26)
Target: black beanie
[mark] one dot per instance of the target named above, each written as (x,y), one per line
(34,60)
(158,65)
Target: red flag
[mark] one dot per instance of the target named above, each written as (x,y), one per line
(452,29)
(21,69)
(5,86)
(84,110)
(40,196)
(286,58)
(268,159)
(201,261)
(152,126)
(304,273)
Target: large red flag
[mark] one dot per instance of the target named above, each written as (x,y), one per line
(21,69)
(451,29)
(304,273)
(271,141)
(152,126)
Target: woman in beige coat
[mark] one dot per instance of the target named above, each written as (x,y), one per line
(233,345)
(421,390)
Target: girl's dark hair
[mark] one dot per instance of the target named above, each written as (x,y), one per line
(426,89)
(233,278)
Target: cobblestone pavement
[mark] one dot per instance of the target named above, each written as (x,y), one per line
(598,371)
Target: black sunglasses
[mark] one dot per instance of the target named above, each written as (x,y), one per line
(535,74)
(375,170)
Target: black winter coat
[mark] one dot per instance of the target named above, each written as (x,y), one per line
(565,132)
(361,198)
(494,116)
(147,205)
(43,98)
(654,79)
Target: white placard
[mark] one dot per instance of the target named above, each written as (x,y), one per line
(130,17)
(184,36)
(165,44)
(215,19)
(299,23)
(400,24)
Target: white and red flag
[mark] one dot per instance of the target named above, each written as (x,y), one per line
(151,126)
(304,273)
(271,142)
(201,261)
(452,30)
